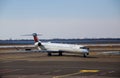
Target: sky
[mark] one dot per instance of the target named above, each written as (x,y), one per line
(60,18)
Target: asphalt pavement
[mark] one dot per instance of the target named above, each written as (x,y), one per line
(39,65)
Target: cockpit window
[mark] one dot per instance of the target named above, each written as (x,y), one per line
(84,48)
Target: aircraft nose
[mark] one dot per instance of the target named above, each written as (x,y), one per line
(86,50)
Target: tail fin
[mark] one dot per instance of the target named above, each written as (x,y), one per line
(38,43)
(35,37)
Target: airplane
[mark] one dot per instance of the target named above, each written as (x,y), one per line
(59,48)
(49,47)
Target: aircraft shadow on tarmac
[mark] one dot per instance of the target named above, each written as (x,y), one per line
(65,55)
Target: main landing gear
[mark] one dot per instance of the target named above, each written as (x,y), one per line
(60,53)
(50,54)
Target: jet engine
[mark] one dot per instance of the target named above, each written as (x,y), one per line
(37,44)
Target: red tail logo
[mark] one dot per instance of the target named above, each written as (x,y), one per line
(35,37)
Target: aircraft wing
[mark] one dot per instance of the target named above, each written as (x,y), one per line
(16,46)
(43,51)
(24,48)
(29,48)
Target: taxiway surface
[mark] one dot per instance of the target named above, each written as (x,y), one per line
(39,65)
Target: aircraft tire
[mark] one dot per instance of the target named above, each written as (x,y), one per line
(60,53)
(49,54)
(85,55)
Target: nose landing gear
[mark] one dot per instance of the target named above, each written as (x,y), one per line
(85,54)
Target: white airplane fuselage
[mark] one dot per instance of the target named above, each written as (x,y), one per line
(64,47)
(59,47)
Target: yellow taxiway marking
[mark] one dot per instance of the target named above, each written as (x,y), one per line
(61,76)
(81,71)
(89,71)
